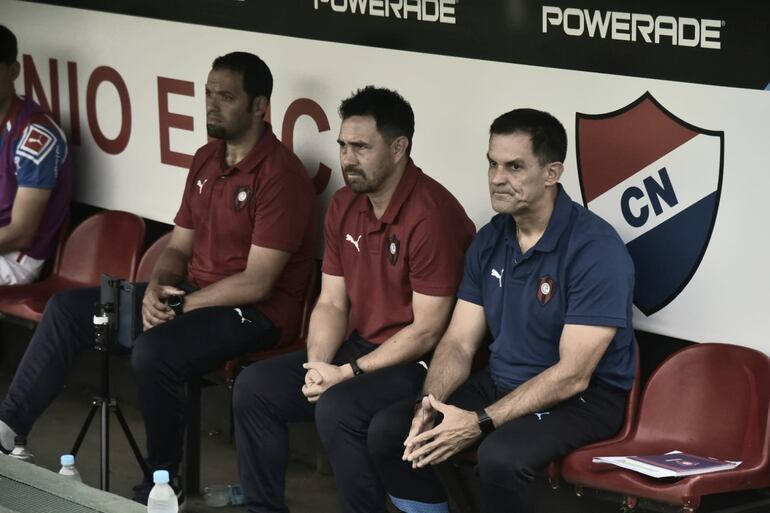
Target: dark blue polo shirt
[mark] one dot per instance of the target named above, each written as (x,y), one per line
(579,272)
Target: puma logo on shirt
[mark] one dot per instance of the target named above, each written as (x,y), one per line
(499,276)
(353,241)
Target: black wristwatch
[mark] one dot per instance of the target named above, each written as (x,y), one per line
(176,303)
(357,371)
(485,423)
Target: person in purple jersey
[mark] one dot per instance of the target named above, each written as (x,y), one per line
(35,176)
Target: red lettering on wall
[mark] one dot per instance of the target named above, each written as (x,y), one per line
(119,143)
(168,120)
(307,107)
(33,87)
(72,77)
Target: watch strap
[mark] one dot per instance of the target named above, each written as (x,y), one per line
(357,371)
(485,422)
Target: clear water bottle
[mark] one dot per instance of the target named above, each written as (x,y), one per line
(68,469)
(162,497)
(20,451)
(236,495)
(223,495)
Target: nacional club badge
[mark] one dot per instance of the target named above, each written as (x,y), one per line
(545,289)
(393,247)
(657,179)
(242,196)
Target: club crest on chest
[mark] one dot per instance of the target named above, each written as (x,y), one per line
(393,249)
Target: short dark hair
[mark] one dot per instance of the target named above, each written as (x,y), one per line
(257,79)
(549,139)
(9,49)
(391,112)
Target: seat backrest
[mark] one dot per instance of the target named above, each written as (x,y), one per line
(150,258)
(107,242)
(311,296)
(709,399)
(632,401)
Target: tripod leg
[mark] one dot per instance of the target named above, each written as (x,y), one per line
(86,424)
(104,447)
(131,441)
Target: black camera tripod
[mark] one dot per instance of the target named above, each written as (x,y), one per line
(106,316)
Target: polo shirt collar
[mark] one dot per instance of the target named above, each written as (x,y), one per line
(404,188)
(556,225)
(251,161)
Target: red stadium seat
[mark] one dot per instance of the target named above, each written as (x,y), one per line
(706,399)
(107,242)
(632,406)
(150,258)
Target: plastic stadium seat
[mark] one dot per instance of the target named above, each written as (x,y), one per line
(706,399)
(632,407)
(107,242)
(150,258)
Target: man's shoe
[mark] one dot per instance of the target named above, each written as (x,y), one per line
(142,492)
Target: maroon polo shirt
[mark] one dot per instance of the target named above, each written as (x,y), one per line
(266,199)
(417,245)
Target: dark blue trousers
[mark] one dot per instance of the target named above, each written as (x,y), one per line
(509,457)
(268,396)
(164,358)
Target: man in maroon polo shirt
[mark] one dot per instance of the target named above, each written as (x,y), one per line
(395,240)
(230,282)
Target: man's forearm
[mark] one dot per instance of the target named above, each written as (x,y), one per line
(406,345)
(450,367)
(12,239)
(170,269)
(550,387)
(235,290)
(328,325)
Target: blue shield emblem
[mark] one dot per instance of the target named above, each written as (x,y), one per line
(657,179)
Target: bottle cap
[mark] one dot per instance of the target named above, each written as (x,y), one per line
(67,459)
(160,476)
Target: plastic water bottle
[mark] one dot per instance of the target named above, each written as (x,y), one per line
(20,451)
(236,495)
(217,496)
(68,469)
(162,497)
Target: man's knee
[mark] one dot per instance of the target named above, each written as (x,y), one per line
(76,304)
(335,412)
(146,355)
(388,430)
(504,462)
(252,388)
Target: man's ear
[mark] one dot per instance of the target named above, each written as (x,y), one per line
(259,106)
(553,173)
(399,146)
(15,70)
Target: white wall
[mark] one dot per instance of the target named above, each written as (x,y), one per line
(454,101)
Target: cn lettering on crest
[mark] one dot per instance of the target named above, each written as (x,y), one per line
(657,179)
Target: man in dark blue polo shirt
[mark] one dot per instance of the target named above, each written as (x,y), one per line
(552,283)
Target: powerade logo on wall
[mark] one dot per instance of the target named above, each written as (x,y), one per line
(657,179)
(438,11)
(626,26)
